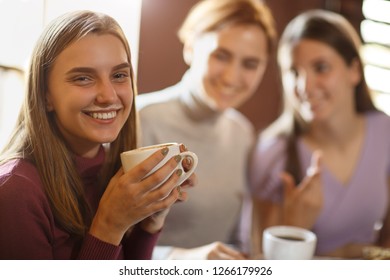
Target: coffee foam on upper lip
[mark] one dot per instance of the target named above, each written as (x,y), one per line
(93,109)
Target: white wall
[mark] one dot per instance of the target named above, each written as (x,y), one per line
(21,22)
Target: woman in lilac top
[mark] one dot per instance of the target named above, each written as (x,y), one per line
(63,194)
(330,139)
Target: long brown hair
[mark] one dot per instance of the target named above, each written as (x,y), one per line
(36,136)
(335,31)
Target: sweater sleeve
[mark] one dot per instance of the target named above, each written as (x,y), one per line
(139,244)
(96,249)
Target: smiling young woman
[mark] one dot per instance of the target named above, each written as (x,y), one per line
(226,44)
(330,125)
(63,193)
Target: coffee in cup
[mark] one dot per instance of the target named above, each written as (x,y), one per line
(288,243)
(134,157)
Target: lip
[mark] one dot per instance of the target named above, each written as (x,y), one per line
(231,90)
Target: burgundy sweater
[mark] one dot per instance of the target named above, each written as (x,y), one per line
(28,229)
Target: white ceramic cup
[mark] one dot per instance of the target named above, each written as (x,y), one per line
(288,243)
(132,158)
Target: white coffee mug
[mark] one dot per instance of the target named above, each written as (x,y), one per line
(132,158)
(288,243)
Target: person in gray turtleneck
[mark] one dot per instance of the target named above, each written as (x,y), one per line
(227,44)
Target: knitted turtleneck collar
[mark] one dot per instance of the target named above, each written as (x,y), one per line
(196,108)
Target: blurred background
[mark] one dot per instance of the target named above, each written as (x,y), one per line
(151,27)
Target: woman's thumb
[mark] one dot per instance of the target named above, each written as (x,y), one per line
(288,181)
(315,163)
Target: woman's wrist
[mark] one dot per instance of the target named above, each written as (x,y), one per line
(151,225)
(154,223)
(104,232)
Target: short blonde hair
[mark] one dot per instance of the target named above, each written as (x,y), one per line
(212,15)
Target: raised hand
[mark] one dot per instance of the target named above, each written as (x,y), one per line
(303,203)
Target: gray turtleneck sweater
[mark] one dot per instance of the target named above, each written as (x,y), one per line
(222,141)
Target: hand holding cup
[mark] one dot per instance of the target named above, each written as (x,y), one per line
(134,157)
(146,189)
(185,170)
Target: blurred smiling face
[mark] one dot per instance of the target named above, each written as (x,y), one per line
(323,82)
(90,92)
(229,64)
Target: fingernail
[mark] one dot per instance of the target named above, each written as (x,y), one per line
(179,172)
(164,151)
(178,158)
(188,161)
(178,188)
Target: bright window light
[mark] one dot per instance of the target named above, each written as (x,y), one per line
(378,78)
(375,30)
(377,55)
(378,10)
(382,102)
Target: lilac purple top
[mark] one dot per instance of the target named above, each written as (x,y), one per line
(351,211)
(28,229)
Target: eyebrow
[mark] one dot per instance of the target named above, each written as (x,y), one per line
(122,65)
(246,58)
(92,70)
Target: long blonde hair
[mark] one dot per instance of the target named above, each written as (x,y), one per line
(36,136)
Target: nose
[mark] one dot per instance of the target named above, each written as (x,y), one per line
(106,92)
(232,75)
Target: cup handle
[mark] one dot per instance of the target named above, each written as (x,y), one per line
(186,174)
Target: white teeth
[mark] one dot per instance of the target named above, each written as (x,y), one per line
(103,116)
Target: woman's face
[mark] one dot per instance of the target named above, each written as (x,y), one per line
(324,83)
(228,65)
(90,92)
